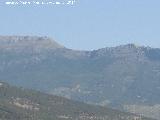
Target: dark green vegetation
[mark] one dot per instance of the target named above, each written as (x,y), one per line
(22,104)
(119,77)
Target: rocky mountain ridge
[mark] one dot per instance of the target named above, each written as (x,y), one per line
(126,75)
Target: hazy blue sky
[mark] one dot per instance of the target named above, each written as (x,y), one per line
(89,24)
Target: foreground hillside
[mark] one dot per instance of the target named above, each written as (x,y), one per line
(125,77)
(22,104)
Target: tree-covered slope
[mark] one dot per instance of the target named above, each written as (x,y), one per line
(23,104)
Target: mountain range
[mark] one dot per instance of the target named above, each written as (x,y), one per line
(126,77)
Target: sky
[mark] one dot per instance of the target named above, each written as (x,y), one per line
(88,24)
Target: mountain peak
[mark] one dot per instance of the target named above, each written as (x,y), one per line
(28,41)
(129,46)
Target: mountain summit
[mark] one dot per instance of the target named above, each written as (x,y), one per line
(13,42)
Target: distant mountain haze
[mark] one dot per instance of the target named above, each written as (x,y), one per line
(125,77)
